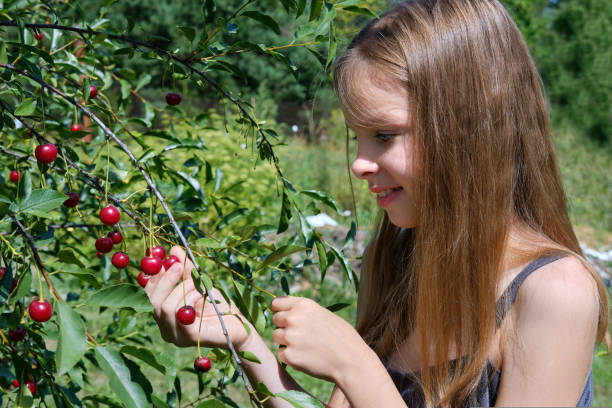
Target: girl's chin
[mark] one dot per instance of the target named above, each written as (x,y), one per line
(402,221)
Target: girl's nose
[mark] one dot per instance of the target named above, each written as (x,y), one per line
(364,167)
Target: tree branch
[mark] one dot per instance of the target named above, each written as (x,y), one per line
(151,185)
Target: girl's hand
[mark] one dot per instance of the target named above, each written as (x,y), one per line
(317,341)
(166,298)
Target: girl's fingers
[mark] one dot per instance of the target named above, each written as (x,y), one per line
(282,303)
(161,285)
(175,299)
(180,254)
(280,319)
(278,336)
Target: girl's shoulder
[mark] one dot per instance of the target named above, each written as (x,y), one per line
(548,352)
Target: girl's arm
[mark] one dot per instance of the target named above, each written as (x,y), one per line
(556,315)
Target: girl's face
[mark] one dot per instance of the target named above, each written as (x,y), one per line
(385,148)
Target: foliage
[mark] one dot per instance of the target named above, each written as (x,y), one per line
(178,176)
(571,41)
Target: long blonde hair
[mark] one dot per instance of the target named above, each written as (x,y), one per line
(485,161)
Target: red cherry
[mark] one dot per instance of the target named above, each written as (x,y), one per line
(13,285)
(151,265)
(158,252)
(40,311)
(202,364)
(18,334)
(46,153)
(31,385)
(39,36)
(110,215)
(2,272)
(173,99)
(169,261)
(104,244)
(15,383)
(93,91)
(73,200)
(15,176)
(186,315)
(115,236)
(143,279)
(76,127)
(120,260)
(99,254)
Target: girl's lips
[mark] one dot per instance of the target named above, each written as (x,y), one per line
(386,200)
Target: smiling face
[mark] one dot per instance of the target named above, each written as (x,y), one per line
(385,149)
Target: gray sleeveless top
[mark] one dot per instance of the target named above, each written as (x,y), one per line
(485,393)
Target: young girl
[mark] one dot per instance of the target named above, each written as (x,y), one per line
(473,291)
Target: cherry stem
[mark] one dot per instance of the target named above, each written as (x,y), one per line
(201,318)
(107,170)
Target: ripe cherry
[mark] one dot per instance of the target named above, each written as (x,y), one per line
(202,364)
(115,236)
(151,265)
(120,260)
(104,244)
(143,279)
(93,91)
(46,153)
(158,252)
(18,334)
(15,383)
(73,199)
(39,36)
(173,99)
(15,176)
(186,315)
(13,285)
(99,254)
(31,385)
(2,272)
(110,215)
(169,261)
(40,311)
(76,127)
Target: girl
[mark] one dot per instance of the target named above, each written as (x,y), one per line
(473,291)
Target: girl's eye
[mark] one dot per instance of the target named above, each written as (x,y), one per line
(384,137)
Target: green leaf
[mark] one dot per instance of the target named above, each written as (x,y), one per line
(324,198)
(300,399)
(66,255)
(315,9)
(350,235)
(25,185)
(263,19)
(285,215)
(188,32)
(361,10)
(233,216)
(144,355)
(211,403)
(322,258)
(26,108)
(249,356)
(3,57)
(346,267)
(121,296)
(72,343)
(115,368)
(41,200)
(280,253)
(337,306)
